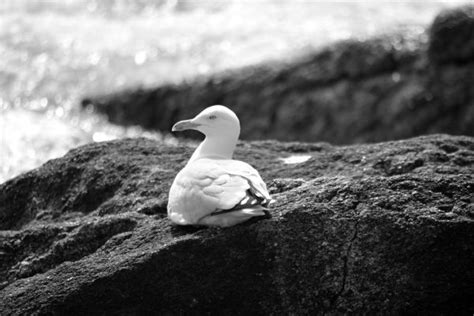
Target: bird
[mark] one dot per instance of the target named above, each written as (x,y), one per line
(213,189)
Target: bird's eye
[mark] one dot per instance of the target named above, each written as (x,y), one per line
(212,117)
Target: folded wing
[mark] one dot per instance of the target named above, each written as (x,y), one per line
(212,191)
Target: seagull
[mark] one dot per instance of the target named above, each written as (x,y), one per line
(213,189)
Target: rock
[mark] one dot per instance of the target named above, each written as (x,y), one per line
(384,88)
(380,228)
(452,36)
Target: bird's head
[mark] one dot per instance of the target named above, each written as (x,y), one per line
(216,120)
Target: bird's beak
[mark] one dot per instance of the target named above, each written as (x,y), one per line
(184,125)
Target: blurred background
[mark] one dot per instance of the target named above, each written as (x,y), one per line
(56,52)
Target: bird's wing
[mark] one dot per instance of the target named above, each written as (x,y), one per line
(245,170)
(207,187)
(228,183)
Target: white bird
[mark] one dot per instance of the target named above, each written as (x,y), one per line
(213,189)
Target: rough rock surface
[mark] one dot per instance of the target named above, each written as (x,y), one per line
(384,228)
(393,87)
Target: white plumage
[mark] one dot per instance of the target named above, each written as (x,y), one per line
(213,189)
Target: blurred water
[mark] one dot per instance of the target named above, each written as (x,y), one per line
(54,52)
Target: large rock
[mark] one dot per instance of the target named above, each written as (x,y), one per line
(392,87)
(383,228)
(452,36)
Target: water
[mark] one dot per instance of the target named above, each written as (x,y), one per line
(55,52)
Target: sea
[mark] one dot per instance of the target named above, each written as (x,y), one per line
(54,53)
